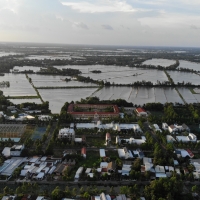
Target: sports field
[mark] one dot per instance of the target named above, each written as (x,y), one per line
(38,133)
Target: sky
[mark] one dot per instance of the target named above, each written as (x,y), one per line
(102,22)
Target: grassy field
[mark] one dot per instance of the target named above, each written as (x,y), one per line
(97,142)
(92,158)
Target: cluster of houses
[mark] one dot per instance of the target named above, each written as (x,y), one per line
(36,168)
(24,115)
(175,128)
(104,196)
(113,126)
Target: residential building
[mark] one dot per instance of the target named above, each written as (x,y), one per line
(190,138)
(172,128)
(83,152)
(141,112)
(78,173)
(67,133)
(102,153)
(16,150)
(108,138)
(156,127)
(165,126)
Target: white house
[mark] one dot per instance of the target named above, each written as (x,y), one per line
(78,173)
(172,128)
(190,138)
(131,140)
(156,127)
(170,139)
(123,153)
(16,150)
(108,138)
(165,126)
(67,133)
(102,153)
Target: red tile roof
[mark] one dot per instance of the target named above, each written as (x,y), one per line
(190,153)
(108,136)
(83,151)
(139,110)
(71,109)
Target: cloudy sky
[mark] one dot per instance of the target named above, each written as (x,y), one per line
(104,22)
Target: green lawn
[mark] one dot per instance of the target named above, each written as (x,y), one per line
(92,157)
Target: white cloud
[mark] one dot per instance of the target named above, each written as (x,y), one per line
(100,6)
(12,5)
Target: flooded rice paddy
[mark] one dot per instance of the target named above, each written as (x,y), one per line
(139,95)
(19,85)
(19,101)
(185,77)
(189,65)
(161,62)
(57,97)
(55,81)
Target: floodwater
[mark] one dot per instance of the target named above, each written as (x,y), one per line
(139,95)
(19,85)
(8,54)
(189,65)
(51,57)
(119,75)
(161,62)
(55,81)
(34,69)
(185,77)
(19,101)
(57,97)
(187,95)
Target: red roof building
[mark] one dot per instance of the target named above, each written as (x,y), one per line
(83,152)
(96,110)
(141,112)
(190,153)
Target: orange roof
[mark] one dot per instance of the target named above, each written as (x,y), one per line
(190,153)
(139,110)
(108,135)
(70,109)
(83,151)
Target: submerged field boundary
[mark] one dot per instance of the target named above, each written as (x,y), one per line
(38,94)
(22,97)
(66,87)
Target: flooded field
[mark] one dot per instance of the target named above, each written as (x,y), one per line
(57,97)
(19,85)
(184,77)
(55,81)
(19,68)
(120,75)
(187,95)
(189,65)
(19,101)
(161,62)
(51,57)
(139,95)
(8,54)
